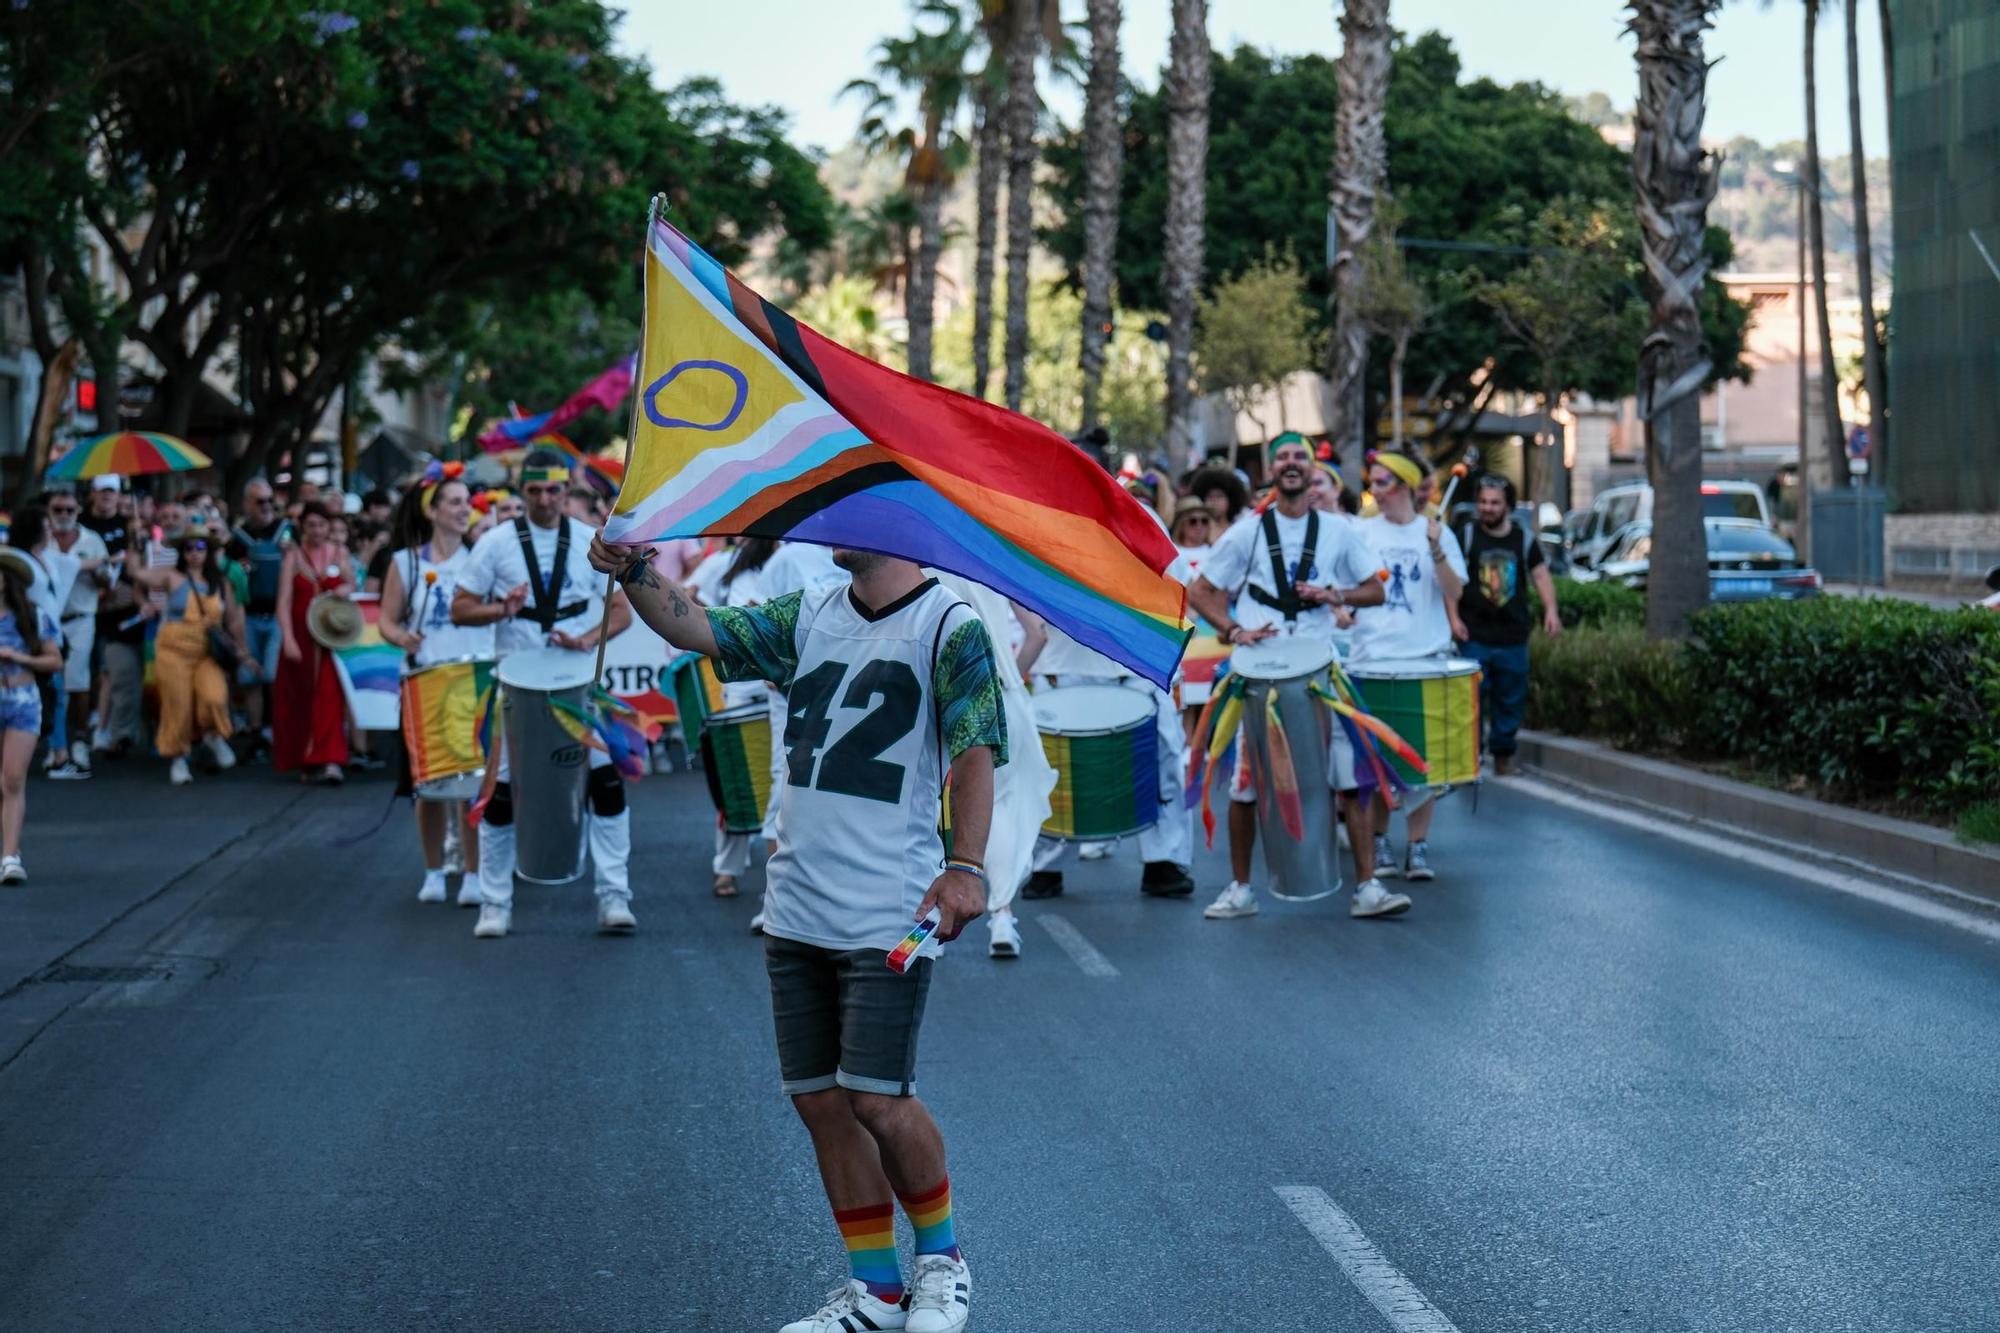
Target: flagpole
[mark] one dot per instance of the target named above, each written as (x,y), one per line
(653,211)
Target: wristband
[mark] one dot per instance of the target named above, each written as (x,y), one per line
(972,868)
(635,569)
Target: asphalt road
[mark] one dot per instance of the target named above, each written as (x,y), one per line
(1594,1080)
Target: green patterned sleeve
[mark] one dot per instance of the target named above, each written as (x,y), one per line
(758,642)
(970,709)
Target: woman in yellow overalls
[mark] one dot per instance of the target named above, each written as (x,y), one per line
(194,688)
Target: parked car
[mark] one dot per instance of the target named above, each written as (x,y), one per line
(1992,581)
(1618,507)
(1747,562)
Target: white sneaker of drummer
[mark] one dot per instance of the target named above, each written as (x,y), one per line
(1236,900)
(433,890)
(1371,899)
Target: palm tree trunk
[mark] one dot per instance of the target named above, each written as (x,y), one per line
(1674,180)
(919,304)
(1187,212)
(1360,163)
(1103,163)
(1829,377)
(1024,34)
(1888,69)
(992,151)
(1864,257)
(1398,350)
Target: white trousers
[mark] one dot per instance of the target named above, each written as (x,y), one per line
(610,840)
(1172,839)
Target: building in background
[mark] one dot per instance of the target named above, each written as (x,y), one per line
(1944,353)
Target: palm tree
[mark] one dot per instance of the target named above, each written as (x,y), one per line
(988,101)
(1864,258)
(930,63)
(1360,164)
(1103,162)
(1024,43)
(1829,377)
(1187,88)
(1674,180)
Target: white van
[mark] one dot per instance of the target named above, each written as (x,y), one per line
(1632,502)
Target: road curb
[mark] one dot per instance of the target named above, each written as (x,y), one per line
(1895,846)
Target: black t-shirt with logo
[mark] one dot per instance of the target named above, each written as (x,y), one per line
(114,610)
(1494,605)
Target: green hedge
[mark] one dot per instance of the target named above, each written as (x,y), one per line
(1611,683)
(1592,605)
(1873,699)
(1870,697)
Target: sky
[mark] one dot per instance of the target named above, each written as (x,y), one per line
(797,54)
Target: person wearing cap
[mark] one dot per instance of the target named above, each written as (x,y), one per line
(79,622)
(1417,618)
(1288,571)
(531,579)
(194,689)
(29,645)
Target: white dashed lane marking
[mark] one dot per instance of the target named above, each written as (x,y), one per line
(1407,1309)
(1080,950)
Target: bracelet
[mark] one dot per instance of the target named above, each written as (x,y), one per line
(972,868)
(1437,551)
(632,571)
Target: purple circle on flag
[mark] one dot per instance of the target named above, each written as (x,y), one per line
(658,386)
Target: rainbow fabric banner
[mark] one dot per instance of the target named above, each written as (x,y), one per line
(371,672)
(442,709)
(751,423)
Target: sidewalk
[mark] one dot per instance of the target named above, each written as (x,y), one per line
(97,850)
(1892,849)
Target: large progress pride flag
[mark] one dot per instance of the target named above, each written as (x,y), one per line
(752,424)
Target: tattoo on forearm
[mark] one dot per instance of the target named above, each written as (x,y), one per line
(678,602)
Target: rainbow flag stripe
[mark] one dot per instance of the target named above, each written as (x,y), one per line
(752,423)
(442,708)
(371,673)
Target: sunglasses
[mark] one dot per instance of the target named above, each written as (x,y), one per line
(63,509)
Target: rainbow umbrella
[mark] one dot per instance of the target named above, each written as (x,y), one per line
(127,454)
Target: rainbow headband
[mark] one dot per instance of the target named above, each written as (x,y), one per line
(435,475)
(1403,467)
(544,471)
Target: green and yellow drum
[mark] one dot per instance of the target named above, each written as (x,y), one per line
(739,765)
(1103,744)
(1432,703)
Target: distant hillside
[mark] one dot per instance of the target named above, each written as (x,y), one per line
(1757,204)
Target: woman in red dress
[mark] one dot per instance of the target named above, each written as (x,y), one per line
(308,711)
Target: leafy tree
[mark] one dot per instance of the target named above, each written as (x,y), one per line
(1255,330)
(1390,302)
(1576,294)
(1467,161)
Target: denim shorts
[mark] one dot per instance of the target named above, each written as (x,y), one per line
(21,710)
(264,641)
(844,1019)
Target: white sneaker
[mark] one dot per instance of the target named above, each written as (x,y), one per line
(1385,860)
(177,772)
(849,1307)
(1371,899)
(101,739)
(225,758)
(1006,936)
(67,771)
(757,923)
(614,916)
(433,889)
(493,922)
(12,871)
(468,891)
(940,1298)
(1094,851)
(1236,900)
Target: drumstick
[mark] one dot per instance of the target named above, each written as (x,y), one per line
(423,607)
(654,209)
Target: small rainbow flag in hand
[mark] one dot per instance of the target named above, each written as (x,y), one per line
(750,423)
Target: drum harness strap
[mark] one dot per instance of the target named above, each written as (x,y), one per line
(1287,601)
(542,590)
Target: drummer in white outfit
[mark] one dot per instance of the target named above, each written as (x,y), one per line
(558,601)
(1325,566)
(734,577)
(1419,618)
(429,528)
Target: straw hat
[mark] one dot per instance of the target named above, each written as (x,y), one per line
(17,560)
(334,622)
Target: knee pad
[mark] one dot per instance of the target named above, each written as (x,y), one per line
(607,792)
(499,811)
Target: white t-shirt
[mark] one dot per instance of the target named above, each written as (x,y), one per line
(800,567)
(1241,561)
(427,607)
(1412,622)
(83,592)
(496,568)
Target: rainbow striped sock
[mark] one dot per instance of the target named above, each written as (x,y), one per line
(930,1214)
(870,1234)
